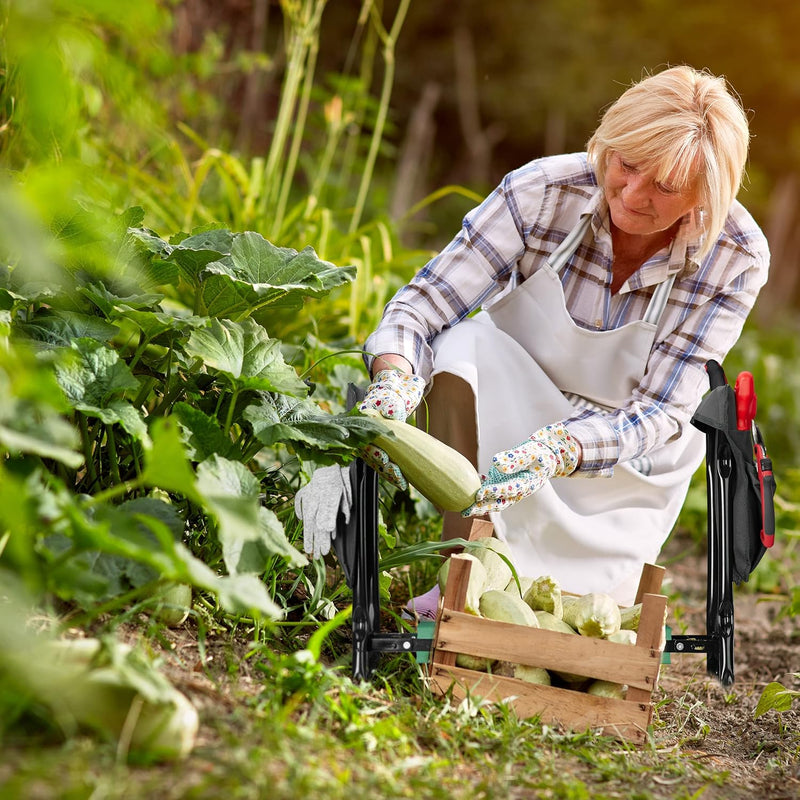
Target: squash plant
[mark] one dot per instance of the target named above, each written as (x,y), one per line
(146,418)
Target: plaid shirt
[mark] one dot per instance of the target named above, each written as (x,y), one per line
(518,226)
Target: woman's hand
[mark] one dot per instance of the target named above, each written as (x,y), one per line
(519,472)
(394,395)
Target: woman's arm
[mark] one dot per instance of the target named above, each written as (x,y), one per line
(390,361)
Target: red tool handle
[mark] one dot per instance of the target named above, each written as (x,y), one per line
(746,401)
(766,481)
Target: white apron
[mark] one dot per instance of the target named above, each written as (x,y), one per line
(519,356)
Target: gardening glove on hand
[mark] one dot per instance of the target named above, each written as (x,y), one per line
(549,453)
(317,505)
(394,395)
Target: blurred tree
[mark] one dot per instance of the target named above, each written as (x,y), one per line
(545,69)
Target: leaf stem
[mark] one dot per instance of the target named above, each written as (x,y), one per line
(86,442)
(231,407)
(113,462)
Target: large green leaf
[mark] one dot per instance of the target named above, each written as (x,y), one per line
(238,594)
(258,274)
(192,253)
(166,464)
(120,412)
(106,300)
(156,325)
(134,522)
(139,541)
(151,242)
(60,328)
(249,534)
(246,355)
(204,435)
(94,375)
(25,429)
(303,425)
(189,254)
(235,274)
(31,403)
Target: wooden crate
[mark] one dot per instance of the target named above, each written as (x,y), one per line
(637,666)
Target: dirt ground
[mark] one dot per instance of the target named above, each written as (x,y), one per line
(716,724)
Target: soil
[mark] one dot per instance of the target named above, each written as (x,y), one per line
(710,722)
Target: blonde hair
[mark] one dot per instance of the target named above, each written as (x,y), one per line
(687,127)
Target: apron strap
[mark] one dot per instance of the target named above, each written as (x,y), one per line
(564,251)
(658,302)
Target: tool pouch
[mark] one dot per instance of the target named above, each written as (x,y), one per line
(745,471)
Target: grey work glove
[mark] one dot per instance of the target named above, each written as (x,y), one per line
(317,505)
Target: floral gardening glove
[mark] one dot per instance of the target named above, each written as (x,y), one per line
(394,395)
(549,453)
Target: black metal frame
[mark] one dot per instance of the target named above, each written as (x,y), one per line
(717,644)
(356,546)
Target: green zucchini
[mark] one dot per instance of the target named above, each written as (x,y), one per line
(629,617)
(475,585)
(550,622)
(500,605)
(523,672)
(544,594)
(492,553)
(616,691)
(623,637)
(437,471)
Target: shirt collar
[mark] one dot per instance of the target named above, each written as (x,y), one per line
(680,256)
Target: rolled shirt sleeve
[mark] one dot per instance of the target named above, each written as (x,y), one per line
(494,239)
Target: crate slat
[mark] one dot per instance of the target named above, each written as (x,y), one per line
(551,704)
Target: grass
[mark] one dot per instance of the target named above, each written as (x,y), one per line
(389,747)
(283,725)
(368,743)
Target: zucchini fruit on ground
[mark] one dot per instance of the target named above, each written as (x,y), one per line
(106,687)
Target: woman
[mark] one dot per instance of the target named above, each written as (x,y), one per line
(607,280)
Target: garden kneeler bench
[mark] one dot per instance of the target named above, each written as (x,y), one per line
(740,524)
(740,521)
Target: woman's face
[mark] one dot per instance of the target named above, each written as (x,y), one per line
(639,204)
